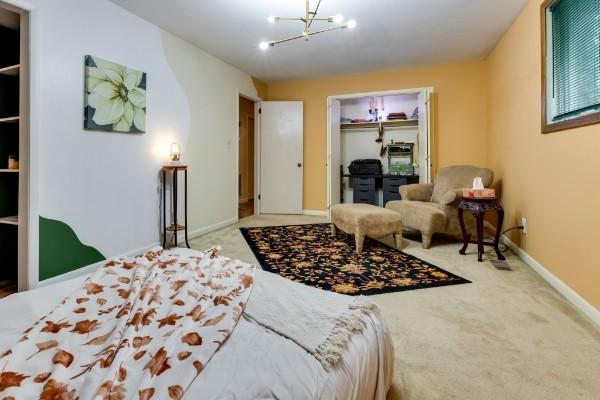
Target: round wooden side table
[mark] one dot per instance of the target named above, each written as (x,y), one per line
(478,207)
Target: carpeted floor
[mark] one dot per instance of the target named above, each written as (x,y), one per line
(310,255)
(507,335)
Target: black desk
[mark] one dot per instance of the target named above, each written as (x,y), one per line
(366,187)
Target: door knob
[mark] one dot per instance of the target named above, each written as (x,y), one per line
(299,165)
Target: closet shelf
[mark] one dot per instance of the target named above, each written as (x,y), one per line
(12,220)
(9,120)
(385,124)
(12,70)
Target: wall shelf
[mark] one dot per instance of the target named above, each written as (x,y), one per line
(11,220)
(9,170)
(12,70)
(386,124)
(9,120)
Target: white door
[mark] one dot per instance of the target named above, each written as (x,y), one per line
(281,157)
(334,152)
(425,136)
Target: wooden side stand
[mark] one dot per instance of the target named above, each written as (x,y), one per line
(174,227)
(478,207)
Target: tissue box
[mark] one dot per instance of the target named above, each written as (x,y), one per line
(479,193)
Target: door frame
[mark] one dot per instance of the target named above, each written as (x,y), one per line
(257,101)
(426,91)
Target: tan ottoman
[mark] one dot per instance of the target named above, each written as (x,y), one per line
(363,220)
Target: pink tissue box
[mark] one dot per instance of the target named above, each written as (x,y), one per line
(479,193)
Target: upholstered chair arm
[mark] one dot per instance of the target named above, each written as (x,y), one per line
(451,196)
(416,192)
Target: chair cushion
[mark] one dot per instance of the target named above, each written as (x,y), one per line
(372,221)
(424,217)
(458,177)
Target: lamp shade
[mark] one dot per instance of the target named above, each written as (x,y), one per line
(175,152)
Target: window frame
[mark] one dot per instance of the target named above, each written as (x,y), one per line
(576,122)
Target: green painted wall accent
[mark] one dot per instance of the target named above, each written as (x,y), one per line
(61,251)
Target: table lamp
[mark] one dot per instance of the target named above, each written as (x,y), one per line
(175,153)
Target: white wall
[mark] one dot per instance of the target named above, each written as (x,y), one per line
(105,185)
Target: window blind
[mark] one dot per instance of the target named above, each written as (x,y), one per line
(576,57)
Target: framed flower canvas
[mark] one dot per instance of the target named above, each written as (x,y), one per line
(115,97)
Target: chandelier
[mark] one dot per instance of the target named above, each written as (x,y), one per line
(308,18)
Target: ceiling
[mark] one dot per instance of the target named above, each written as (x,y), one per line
(389,33)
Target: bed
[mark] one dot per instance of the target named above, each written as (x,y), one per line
(255,362)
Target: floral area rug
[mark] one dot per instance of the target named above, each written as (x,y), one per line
(307,254)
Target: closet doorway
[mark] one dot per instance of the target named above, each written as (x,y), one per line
(246,157)
(392,130)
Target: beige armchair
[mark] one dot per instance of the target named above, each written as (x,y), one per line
(432,208)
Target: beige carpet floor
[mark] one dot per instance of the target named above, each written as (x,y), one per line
(507,335)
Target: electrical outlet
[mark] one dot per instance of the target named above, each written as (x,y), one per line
(524,223)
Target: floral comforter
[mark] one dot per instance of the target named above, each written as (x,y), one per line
(140,328)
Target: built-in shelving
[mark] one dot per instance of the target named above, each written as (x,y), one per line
(11,220)
(386,124)
(12,70)
(14,113)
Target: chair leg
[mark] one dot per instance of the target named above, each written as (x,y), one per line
(398,240)
(426,240)
(359,239)
(333,230)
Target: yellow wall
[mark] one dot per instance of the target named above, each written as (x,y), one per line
(550,179)
(460,123)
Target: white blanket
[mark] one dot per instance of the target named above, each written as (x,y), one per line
(319,321)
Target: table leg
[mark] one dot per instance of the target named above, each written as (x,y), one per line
(186,209)
(465,234)
(498,231)
(480,251)
(164,199)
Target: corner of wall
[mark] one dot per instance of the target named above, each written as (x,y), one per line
(262,89)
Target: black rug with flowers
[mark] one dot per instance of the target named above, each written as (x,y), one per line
(309,255)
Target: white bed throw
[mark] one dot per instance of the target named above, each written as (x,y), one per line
(319,321)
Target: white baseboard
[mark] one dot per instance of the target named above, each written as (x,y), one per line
(315,213)
(211,228)
(93,267)
(572,296)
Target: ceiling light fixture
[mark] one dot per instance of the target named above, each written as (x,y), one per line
(308,19)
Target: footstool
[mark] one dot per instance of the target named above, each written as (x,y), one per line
(363,220)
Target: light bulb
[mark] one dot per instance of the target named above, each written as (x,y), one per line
(263,45)
(351,24)
(271,19)
(338,19)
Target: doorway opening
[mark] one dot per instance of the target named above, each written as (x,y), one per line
(246,158)
(386,133)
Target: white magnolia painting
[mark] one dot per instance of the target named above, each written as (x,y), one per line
(115,97)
